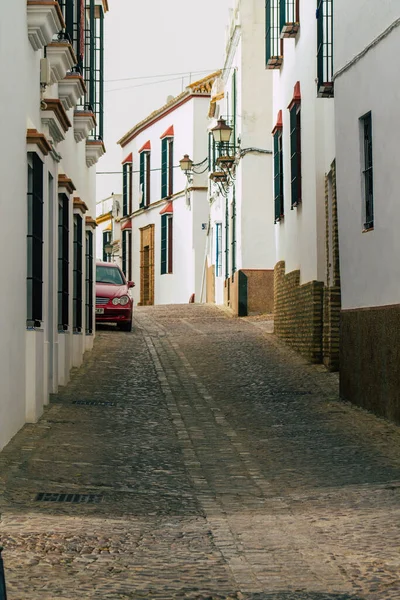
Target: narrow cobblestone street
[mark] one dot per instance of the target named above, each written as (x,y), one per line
(219,464)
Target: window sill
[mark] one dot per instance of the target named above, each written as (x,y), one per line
(368,229)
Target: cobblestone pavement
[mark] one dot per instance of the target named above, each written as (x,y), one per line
(225,465)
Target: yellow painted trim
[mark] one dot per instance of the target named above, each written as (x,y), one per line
(103,218)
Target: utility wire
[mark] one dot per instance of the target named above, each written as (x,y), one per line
(162,75)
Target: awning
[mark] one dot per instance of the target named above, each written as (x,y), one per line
(146,146)
(128,159)
(127,225)
(168,209)
(168,133)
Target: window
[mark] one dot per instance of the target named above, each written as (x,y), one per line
(234,101)
(226,239)
(278,175)
(368,181)
(289,18)
(325,48)
(89,282)
(106,240)
(166,244)
(34,280)
(167,167)
(145,174)
(218,249)
(273,43)
(126,189)
(295,146)
(111,275)
(78,273)
(126,253)
(233,218)
(73,12)
(63,261)
(94,61)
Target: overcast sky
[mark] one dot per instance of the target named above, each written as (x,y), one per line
(146,38)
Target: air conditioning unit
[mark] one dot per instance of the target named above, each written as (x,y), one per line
(45,71)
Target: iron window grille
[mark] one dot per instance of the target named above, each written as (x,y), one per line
(145,178)
(93,63)
(126,253)
(325,48)
(218,249)
(273,41)
(295,153)
(89,282)
(368,180)
(63,262)
(167,166)
(166,244)
(106,240)
(289,18)
(34,280)
(233,219)
(226,239)
(78,274)
(278,176)
(73,12)
(127,173)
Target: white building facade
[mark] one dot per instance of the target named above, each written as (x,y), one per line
(165,214)
(366,97)
(241,249)
(299,50)
(51,59)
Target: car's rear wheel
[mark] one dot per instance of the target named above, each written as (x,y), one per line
(125,326)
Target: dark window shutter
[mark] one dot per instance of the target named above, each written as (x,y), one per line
(295,154)
(125,190)
(124,234)
(277,190)
(163,244)
(170,244)
(148,178)
(164,168)
(142,179)
(170,166)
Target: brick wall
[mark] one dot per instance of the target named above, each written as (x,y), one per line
(298,312)
(210,284)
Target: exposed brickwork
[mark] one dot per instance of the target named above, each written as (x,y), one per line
(298,313)
(332,292)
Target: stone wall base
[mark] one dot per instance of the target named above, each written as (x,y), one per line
(250,292)
(298,313)
(370,359)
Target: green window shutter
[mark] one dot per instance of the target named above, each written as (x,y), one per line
(124,236)
(163,244)
(278,176)
(226,239)
(295,154)
(164,168)
(142,178)
(125,190)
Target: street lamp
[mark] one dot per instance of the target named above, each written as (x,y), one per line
(186,165)
(108,249)
(222,132)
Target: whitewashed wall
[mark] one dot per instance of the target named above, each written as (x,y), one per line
(370,271)
(300,237)
(190,208)
(32,363)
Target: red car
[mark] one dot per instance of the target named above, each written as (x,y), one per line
(113,302)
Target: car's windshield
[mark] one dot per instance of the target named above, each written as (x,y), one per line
(109,275)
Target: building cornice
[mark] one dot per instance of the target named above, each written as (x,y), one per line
(66,182)
(199,89)
(39,139)
(104,218)
(80,205)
